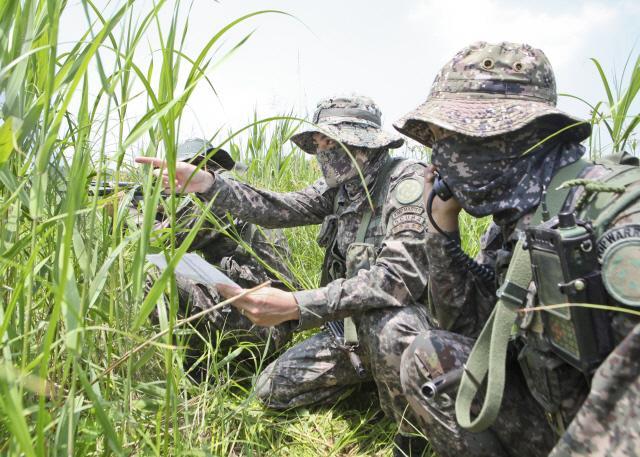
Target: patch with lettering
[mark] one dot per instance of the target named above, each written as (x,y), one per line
(412,226)
(409,209)
(408,218)
(615,234)
(408,191)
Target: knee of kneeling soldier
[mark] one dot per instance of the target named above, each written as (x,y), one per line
(433,353)
(264,388)
(387,335)
(278,395)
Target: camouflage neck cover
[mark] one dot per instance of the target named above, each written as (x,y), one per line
(492,176)
(338,167)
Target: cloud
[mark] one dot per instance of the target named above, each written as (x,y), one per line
(560,33)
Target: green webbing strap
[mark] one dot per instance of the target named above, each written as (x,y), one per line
(364,224)
(350,331)
(489,353)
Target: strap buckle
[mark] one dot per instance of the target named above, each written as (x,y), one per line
(512,294)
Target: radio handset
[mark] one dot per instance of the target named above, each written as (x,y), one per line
(442,190)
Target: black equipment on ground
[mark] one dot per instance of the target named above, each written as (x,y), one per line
(107,188)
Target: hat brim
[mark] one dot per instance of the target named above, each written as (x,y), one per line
(484,118)
(221,159)
(349,134)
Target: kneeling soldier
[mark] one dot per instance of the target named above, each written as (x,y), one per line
(374,274)
(565,231)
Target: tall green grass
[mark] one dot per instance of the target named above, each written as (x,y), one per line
(73,300)
(72,290)
(614,118)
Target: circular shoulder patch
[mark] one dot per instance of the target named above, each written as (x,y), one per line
(616,234)
(408,191)
(620,268)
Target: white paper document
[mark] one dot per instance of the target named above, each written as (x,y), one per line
(194,267)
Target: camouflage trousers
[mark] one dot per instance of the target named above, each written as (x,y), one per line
(317,371)
(520,430)
(226,323)
(607,423)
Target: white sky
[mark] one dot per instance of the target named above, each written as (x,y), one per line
(388,50)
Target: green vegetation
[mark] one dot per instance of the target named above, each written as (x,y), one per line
(72,278)
(613,119)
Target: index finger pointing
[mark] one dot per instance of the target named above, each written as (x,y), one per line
(155,161)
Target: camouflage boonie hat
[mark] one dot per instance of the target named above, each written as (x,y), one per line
(195,149)
(354,121)
(490,89)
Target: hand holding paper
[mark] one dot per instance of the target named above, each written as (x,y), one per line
(194,267)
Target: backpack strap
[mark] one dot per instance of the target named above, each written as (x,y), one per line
(489,353)
(378,193)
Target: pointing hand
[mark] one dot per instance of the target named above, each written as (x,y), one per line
(188,177)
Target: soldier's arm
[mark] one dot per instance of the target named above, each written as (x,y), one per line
(458,300)
(271,209)
(397,278)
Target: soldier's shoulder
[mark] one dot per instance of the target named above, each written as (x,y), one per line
(320,187)
(406,183)
(407,168)
(405,206)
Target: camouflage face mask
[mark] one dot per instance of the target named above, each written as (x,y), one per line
(494,176)
(338,167)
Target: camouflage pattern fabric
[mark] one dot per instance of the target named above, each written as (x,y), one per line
(385,299)
(318,371)
(338,167)
(195,150)
(354,121)
(514,434)
(607,423)
(245,269)
(502,175)
(227,327)
(491,89)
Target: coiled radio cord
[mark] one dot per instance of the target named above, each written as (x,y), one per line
(454,249)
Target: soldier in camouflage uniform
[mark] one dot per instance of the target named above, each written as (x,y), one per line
(241,256)
(498,141)
(375,264)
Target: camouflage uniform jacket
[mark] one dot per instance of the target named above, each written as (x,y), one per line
(396,278)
